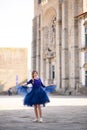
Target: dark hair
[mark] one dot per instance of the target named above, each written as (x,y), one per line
(33,73)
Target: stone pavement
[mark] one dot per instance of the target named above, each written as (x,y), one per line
(66,116)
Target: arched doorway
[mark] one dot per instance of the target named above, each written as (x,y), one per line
(49,44)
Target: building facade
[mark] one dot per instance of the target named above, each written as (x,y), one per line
(13,67)
(59,46)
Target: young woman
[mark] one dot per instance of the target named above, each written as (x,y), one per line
(36,96)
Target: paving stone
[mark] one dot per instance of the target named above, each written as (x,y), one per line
(54,117)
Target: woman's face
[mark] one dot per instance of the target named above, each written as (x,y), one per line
(35,74)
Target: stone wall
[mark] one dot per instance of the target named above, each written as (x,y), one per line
(56,41)
(13,65)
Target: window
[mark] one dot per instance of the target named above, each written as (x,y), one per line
(39,1)
(86,57)
(43,2)
(53,72)
(85,78)
(39,21)
(86,37)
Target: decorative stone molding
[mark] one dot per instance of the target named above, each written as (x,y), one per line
(85,66)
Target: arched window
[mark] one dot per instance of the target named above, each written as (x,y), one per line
(85,66)
(85,57)
(85,78)
(85,24)
(53,72)
(86,36)
(53,31)
(39,1)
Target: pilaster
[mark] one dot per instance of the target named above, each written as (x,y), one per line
(65,57)
(58,46)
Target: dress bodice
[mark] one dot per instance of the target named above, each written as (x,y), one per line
(36,83)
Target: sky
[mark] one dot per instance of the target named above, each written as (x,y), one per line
(16,23)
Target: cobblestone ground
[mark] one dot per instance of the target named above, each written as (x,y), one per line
(65,116)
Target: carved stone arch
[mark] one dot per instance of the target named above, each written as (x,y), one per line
(49,30)
(85,66)
(48,15)
(48,48)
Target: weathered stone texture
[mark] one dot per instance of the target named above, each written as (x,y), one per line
(13,63)
(57,50)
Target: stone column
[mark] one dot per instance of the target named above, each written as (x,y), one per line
(38,44)
(47,71)
(58,47)
(82,53)
(65,58)
(73,43)
(34,41)
(41,50)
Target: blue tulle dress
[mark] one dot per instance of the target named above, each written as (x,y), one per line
(35,95)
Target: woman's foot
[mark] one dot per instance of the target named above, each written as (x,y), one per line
(40,120)
(35,120)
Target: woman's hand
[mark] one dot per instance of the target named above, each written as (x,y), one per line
(24,84)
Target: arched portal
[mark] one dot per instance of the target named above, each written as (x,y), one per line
(49,44)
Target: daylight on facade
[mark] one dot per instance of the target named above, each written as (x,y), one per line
(13,67)
(59,44)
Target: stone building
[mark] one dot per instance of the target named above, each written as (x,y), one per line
(13,67)
(59,46)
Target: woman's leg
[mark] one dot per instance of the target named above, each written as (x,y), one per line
(40,111)
(36,111)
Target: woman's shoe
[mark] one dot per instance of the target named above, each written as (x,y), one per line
(35,120)
(40,120)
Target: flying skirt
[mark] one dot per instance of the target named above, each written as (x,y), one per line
(36,96)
